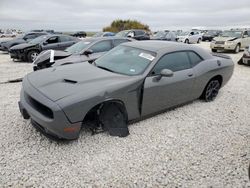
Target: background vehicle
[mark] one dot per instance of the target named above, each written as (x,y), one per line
(29,51)
(164,35)
(232,40)
(6,45)
(137,34)
(85,50)
(246,57)
(7,34)
(104,34)
(152,76)
(210,34)
(189,37)
(79,34)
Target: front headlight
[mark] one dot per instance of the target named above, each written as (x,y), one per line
(229,42)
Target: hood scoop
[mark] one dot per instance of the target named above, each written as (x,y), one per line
(70,81)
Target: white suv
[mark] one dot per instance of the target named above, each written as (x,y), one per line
(232,40)
(189,37)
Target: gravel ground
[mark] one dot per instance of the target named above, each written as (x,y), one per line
(197,145)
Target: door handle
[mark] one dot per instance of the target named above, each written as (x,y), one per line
(219,62)
(190,74)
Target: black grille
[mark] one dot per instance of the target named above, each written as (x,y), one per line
(219,42)
(40,107)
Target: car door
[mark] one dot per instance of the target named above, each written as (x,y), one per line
(65,42)
(168,91)
(99,49)
(51,43)
(245,39)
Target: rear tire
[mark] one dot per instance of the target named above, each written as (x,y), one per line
(31,56)
(211,90)
(199,40)
(187,41)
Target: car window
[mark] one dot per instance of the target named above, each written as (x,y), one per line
(30,36)
(65,38)
(194,58)
(248,32)
(102,46)
(119,41)
(176,61)
(52,40)
(245,33)
(139,32)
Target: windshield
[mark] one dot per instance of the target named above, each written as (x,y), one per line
(184,33)
(126,60)
(122,34)
(78,47)
(235,34)
(160,34)
(38,39)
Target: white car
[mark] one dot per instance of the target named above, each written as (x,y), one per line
(232,40)
(189,37)
(8,34)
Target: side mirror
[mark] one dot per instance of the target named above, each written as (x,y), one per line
(45,43)
(88,52)
(165,73)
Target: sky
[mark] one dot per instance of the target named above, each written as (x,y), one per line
(93,15)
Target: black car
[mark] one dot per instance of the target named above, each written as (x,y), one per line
(86,50)
(210,34)
(164,35)
(6,45)
(80,34)
(29,51)
(137,34)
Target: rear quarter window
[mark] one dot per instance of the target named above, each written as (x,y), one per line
(194,58)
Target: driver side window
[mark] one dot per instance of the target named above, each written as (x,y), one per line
(176,61)
(52,40)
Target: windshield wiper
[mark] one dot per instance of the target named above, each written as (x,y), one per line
(104,68)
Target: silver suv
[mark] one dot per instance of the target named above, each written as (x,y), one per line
(232,40)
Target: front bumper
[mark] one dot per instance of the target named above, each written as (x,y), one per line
(33,105)
(225,46)
(209,38)
(17,54)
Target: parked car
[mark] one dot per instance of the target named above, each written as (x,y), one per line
(232,40)
(164,35)
(132,81)
(104,34)
(6,45)
(246,57)
(79,34)
(29,51)
(137,34)
(189,37)
(85,50)
(7,34)
(210,34)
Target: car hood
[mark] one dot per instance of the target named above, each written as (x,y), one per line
(224,38)
(45,56)
(22,46)
(77,79)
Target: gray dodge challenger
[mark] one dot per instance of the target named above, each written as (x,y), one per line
(133,81)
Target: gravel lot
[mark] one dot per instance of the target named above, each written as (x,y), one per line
(197,145)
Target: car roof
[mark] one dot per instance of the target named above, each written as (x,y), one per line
(93,39)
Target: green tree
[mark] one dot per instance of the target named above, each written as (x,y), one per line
(119,25)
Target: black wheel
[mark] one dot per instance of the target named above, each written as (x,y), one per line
(211,91)
(214,50)
(240,62)
(199,40)
(31,56)
(113,119)
(237,49)
(187,41)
